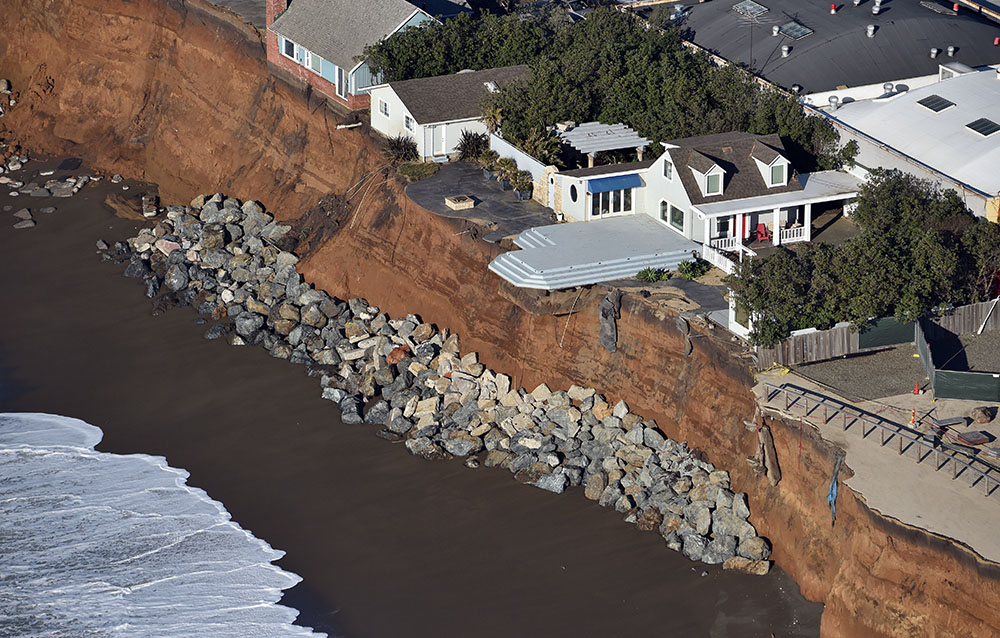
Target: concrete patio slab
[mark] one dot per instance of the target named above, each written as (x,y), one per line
(582,253)
(492,203)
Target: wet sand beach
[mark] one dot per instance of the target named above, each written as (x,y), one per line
(388,544)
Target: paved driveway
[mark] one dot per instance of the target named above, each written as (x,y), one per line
(493,204)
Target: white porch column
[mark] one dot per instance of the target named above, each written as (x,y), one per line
(776,228)
(707,239)
(739,232)
(807,222)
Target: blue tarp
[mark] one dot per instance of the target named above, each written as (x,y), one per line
(618,182)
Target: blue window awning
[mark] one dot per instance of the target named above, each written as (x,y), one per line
(616,183)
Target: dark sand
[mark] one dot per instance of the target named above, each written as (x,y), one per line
(388,544)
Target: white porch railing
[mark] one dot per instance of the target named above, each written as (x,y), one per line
(717,259)
(725,243)
(789,235)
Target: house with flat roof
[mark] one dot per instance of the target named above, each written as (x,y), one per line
(712,195)
(435,111)
(321,42)
(809,47)
(944,128)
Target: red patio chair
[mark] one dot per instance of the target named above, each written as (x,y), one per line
(762,234)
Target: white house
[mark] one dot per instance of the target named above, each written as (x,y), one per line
(713,194)
(435,111)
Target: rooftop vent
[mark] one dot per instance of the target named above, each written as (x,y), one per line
(491,86)
(749,9)
(935,103)
(984,126)
(937,8)
(870,30)
(794,30)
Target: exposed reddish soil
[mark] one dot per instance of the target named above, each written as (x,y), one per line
(178,93)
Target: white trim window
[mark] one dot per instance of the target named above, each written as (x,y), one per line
(289,49)
(383,107)
(672,216)
(408,123)
(713,184)
(314,62)
(778,177)
(668,170)
(611,203)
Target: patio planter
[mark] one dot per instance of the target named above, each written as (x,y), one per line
(505,184)
(524,195)
(488,174)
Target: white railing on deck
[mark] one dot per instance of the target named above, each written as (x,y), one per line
(717,259)
(789,235)
(725,243)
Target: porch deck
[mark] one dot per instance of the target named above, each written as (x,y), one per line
(582,253)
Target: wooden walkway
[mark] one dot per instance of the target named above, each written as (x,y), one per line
(896,428)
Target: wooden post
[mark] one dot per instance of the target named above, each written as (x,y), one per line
(826,418)
(785,392)
(881,435)
(954,468)
(845,421)
(900,437)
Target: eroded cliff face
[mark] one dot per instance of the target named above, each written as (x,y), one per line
(178,93)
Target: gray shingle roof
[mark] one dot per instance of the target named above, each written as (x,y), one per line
(339,30)
(452,97)
(732,152)
(608,169)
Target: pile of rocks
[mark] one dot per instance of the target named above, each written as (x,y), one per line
(232,260)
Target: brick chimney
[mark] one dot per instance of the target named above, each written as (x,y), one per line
(272,8)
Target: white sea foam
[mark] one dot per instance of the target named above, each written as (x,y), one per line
(96,544)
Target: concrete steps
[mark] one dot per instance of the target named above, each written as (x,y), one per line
(532,238)
(516,268)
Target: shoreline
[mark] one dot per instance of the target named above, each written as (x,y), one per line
(260,440)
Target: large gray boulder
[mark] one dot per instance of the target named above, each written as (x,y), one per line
(177,277)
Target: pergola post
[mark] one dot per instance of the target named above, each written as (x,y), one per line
(590,160)
(776,231)
(639,153)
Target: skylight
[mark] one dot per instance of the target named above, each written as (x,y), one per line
(794,30)
(749,9)
(984,126)
(935,103)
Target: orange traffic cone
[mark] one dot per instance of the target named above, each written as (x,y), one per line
(916,388)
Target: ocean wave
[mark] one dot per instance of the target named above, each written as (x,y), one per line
(97,544)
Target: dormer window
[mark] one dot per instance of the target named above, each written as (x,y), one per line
(778,175)
(713,184)
(668,170)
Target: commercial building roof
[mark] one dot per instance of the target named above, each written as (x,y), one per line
(827,51)
(452,97)
(942,139)
(732,152)
(593,137)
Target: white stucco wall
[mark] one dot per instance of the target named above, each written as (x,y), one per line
(394,124)
(659,188)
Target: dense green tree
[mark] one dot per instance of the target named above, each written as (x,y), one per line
(920,247)
(609,68)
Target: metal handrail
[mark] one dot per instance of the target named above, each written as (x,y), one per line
(894,429)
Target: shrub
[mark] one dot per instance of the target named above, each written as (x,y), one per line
(652,275)
(488,159)
(694,268)
(401,148)
(506,168)
(521,180)
(415,171)
(471,145)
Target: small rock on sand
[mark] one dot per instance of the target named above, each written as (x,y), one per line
(24,213)
(25,223)
(47,209)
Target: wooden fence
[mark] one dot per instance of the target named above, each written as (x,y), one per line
(842,340)
(812,346)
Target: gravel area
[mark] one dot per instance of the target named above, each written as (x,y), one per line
(979,353)
(870,376)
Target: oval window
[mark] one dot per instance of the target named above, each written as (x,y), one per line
(572,192)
